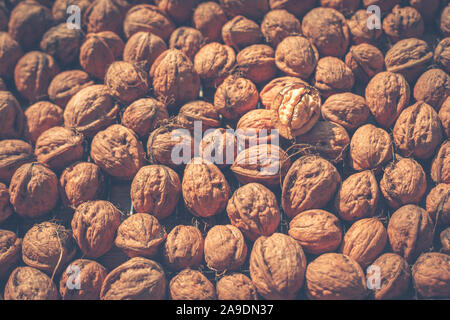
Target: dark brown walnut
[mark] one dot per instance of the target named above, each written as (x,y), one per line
(346,109)
(317,231)
(431,275)
(327,29)
(333,76)
(387,94)
(410,232)
(58,147)
(94,226)
(13,154)
(296,7)
(175,81)
(277,267)
(59,9)
(213,63)
(257,62)
(365,61)
(403,182)
(191,285)
(279,24)
(335,276)
(359,30)
(295,109)
(4,15)
(33,190)
(143,48)
(183,248)
(81,182)
(26,283)
(5,206)
(126,81)
(241,32)
(395,276)
(137,279)
(49,247)
(236,286)
(98,51)
(219,146)
(118,151)
(364,241)
(188,40)
(271,90)
(309,184)
(179,11)
(252,9)
(103,15)
(402,23)
(442,54)
(328,139)
(445,241)
(82,280)
(254,210)
(296,57)
(266,164)
(433,87)
(146,17)
(11,116)
(444,22)
(144,115)
(256,127)
(62,43)
(10,252)
(33,74)
(235,96)
(10,53)
(357,196)
(409,57)
(417,131)
(205,188)
(438,204)
(347,7)
(209,19)
(440,167)
(66,84)
(225,248)
(28,22)
(140,235)
(385,5)
(444,116)
(90,110)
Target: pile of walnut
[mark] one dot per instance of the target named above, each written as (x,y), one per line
(351,202)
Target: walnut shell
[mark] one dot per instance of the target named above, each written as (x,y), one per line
(87,275)
(33,190)
(252,9)
(48,247)
(442,54)
(359,31)
(40,117)
(241,32)
(5,206)
(155,189)
(188,40)
(136,279)
(191,285)
(219,146)
(317,231)
(365,61)
(66,84)
(11,116)
(205,188)
(94,226)
(103,15)
(438,204)
(179,11)
(194,113)
(333,76)
(26,283)
(10,53)
(433,87)
(444,116)
(279,24)
(445,240)
(271,90)
(143,48)
(118,151)
(209,19)
(10,252)
(183,248)
(410,232)
(402,23)
(309,184)
(296,7)
(440,167)
(444,22)
(2,85)
(62,43)
(277,267)
(346,109)
(256,128)
(257,63)
(431,274)
(346,7)
(13,154)
(385,5)
(236,286)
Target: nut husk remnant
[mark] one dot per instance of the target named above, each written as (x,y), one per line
(252,9)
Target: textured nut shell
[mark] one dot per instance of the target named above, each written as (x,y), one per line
(11,116)
(271,90)
(410,232)
(444,116)
(10,252)
(5,205)
(431,274)
(277,267)
(445,21)
(26,283)
(359,31)
(209,19)
(250,128)
(236,286)
(40,117)
(103,15)
(445,240)
(403,23)
(191,285)
(317,231)
(136,279)
(143,48)
(433,87)
(62,43)
(279,24)
(347,7)
(309,184)
(13,154)
(347,109)
(333,76)
(219,146)
(94,226)
(198,111)
(297,7)
(179,11)
(253,9)
(365,61)
(385,5)
(440,167)
(188,40)
(438,204)
(241,32)
(257,63)
(10,53)
(59,9)
(442,54)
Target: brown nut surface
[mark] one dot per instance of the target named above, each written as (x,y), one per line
(236,286)
(427,8)
(444,22)
(445,240)
(410,232)
(155,189)
(219,147)
(137,279)
(94,226)
(144,115)
(10,53)
(66,84)
(33,190)
(440,167)
(254,210)
(10,252)
(5,206)
(317,231)
(271,90)
(385,5)
(118,151)
(296,7)
(59,9)
(402,23)
(444,116)
(365,61)
(346,7)
(104,15)
(279,24)
(359,30)
(62,43)
(346,109)
(431,275)
(179,11)
(442,54)
(26,283)
(87,283)
(143,48)
(40,117)
(188,40)
(241,32)
(209,19)
(255,128)
(309,184)
(253,9)
(433,87)
(191,285)
(194,113)
(333,76)
(277,267)
(438,204)
(225,248)
(11,116)
(13,154)
(257,63)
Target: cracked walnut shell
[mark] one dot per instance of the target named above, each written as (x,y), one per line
(365,61)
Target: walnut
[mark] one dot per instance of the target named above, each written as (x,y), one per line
(241,32)
(10,53)
(346,109)
(5,206)
(26,283)
(179,11)
(10,252)
(257,63)
(11,116)
(442,54)
(188,40)
(402,23)
(279,24)
(346,7)
(143,48)
(440,167)
(410,232)
(365,61)
(256,128)
(13,154)
(103,15)
(359,30)
(277,266)
(433,87)
(444,116)
(236,286)
(445,240)
(309,184)
(333,76)
(296,7)
(444,22)
(209,19)
(438,204)
(431,275)
(252,9)
(66,84)
(219,146)
(271,90)
(191,285)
